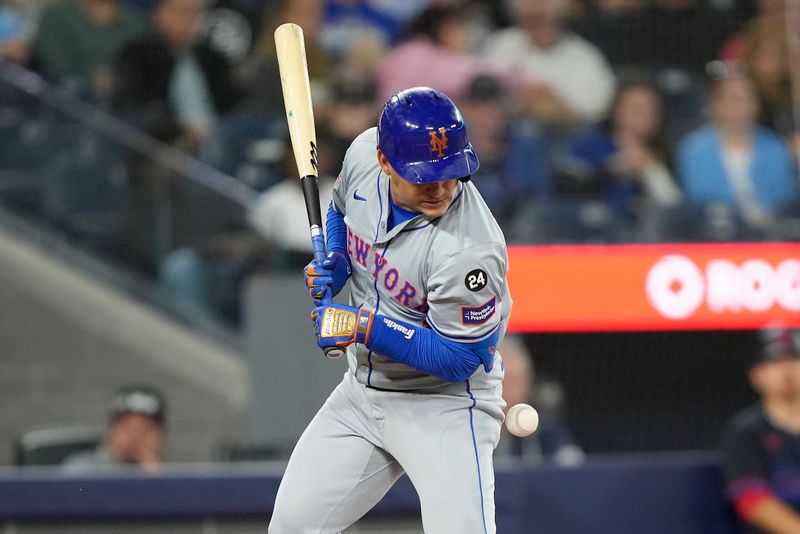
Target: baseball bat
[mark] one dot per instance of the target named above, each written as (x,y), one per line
(291,53)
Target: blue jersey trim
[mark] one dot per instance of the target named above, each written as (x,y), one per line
(427,224)
(375,282)
(477,456)
(397,214)
(465,339)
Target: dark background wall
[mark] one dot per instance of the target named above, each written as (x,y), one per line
(647,391)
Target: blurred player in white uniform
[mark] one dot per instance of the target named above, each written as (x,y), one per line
(428,305)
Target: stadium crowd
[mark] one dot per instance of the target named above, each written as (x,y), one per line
(595,121)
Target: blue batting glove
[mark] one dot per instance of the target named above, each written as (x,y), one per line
(338,325)
(330,274)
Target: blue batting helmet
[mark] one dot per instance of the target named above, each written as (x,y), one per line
(422,134)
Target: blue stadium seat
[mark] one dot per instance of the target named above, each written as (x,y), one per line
(85,187)
(24,153)
(248,147)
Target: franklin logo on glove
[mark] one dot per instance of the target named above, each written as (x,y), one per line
(337,322)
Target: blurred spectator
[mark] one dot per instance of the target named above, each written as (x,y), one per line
(770,17)
(18,22)
(135,436)
(495,11)
(625,156)
(766,59)
(404,11)
(676,33)
(348,24)
(733,162)
(352,109)
(77,41)
(169,82)
(605,23)
(205,279)
(259,73)
(279,214)
(761,445)
(229,30)
(439,37)
(552,441)
(674,39)
(515,165)
(574,82)
(12,44)
(739,11)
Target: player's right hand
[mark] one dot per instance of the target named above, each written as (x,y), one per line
(338,325)
(331,274)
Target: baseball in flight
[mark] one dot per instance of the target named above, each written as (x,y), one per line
(522,420)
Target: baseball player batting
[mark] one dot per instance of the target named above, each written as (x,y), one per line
(428,305)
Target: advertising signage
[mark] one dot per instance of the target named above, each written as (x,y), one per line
(654,287)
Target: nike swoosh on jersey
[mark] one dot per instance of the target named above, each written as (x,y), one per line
(358,197)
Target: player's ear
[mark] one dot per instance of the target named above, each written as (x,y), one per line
(384,163)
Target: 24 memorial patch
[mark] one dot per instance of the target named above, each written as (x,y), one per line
(476,280)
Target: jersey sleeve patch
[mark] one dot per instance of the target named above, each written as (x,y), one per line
(476,280)
(478,314)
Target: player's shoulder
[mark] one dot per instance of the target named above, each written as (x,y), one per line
(361,161)
(366,140)
(363,149)
(469,227)
(472,219)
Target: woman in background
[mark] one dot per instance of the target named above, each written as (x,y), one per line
(624,157)
(734,163)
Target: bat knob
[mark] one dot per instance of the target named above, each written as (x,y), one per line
(334,353)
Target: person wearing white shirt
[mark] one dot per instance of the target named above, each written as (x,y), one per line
(574,81)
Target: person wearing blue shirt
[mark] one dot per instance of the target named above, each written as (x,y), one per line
(731,161)
(625,156)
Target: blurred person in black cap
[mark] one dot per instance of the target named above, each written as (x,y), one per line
(552,442)
(761,445)
(515,166)
(352,108)
(135,435)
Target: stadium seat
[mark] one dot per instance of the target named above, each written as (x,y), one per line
(52,445)
(252,451)
(85,187)
(250,148)
(25,151)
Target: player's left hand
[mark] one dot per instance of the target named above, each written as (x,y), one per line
(330,274)
(338,325)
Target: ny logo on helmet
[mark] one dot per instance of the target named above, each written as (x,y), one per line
(439,143)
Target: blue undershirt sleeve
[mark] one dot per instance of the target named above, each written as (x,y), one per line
(335,230)
(427,351)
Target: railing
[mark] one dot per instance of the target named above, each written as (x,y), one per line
(669,494)
(96,181)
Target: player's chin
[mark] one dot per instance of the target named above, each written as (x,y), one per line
(435,209)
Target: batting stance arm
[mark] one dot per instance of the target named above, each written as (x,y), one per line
(427,351)
(335,230)
(417,347)
(331,274)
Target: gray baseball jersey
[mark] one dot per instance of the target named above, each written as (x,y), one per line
(387,418)
(447,274)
